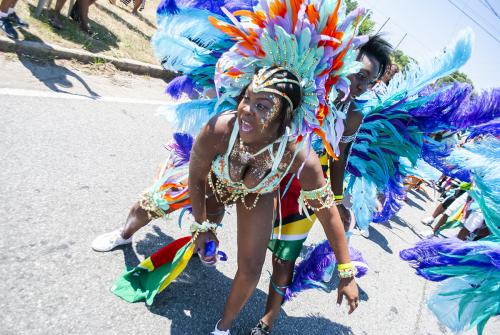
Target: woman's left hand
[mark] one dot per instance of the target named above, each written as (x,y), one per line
(349,288)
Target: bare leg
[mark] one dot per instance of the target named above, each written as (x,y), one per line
(6,4)
(463,234)
(282,276)
(54,19)
(440,223)
(137,218)
(254,229)
(84,15)
(439,210)
(137,4)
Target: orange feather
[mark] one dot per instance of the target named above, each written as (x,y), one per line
(277,8)
(327,145)
(295,4)
(258,17)
(312,14)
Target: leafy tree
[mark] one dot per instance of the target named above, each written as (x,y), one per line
(456,76)
(399,58)
(368,25)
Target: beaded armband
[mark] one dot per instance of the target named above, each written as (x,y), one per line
(346,270)
(197,228)
(323,195)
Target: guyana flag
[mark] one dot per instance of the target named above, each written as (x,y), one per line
(155,273)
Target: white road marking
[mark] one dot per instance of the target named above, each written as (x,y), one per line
(62,95)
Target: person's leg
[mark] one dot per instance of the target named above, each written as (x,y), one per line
(84,15)
(137,4)
(54,19)
(440,223)
(254,229)
(5,23)
(280,278)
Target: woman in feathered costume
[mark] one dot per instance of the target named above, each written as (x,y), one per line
(279,74)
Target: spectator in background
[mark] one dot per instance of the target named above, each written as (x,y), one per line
(9,19)
(138,5)
(79,13)
(389,73)
(54,19)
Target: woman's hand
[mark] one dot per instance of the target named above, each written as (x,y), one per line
(201,244)
(349,288)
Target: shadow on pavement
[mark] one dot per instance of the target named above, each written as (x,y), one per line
(52,75)
(195,300)
(378,238)
(412,203)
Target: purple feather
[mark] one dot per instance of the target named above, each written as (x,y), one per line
(436,154)
(180,149)
(436,114)
(436,253)
(394,195)
(179,85)
(168,7)
(490,128)
(214,6)
(309,273)
(477,110)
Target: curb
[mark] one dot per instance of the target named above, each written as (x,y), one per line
(44,49)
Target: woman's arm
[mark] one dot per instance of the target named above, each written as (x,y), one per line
(210,142)
(311,178)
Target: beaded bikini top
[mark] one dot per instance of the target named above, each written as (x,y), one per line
(229,191)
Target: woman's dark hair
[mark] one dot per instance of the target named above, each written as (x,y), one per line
(378,48)
(292,90)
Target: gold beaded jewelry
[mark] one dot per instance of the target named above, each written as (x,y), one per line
(228,196)
(324,195)
(147,203)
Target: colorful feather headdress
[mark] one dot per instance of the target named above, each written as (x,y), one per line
(313,39)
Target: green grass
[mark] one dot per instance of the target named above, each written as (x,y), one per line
(117,32)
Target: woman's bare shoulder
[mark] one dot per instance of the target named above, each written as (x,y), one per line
(217,131)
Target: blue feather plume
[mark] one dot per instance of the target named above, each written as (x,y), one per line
(470,272)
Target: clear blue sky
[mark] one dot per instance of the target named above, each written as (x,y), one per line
(432,24)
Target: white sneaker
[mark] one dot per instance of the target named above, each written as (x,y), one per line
(220,332)
(365,233)
(427,221)
(109,241)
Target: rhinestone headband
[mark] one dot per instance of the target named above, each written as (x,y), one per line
(261,82)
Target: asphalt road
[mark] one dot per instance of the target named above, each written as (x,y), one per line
(70,167)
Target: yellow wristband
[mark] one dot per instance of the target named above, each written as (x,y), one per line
(345,266)
(339,197)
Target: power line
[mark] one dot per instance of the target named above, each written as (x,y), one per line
(489,6)
(473,20)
